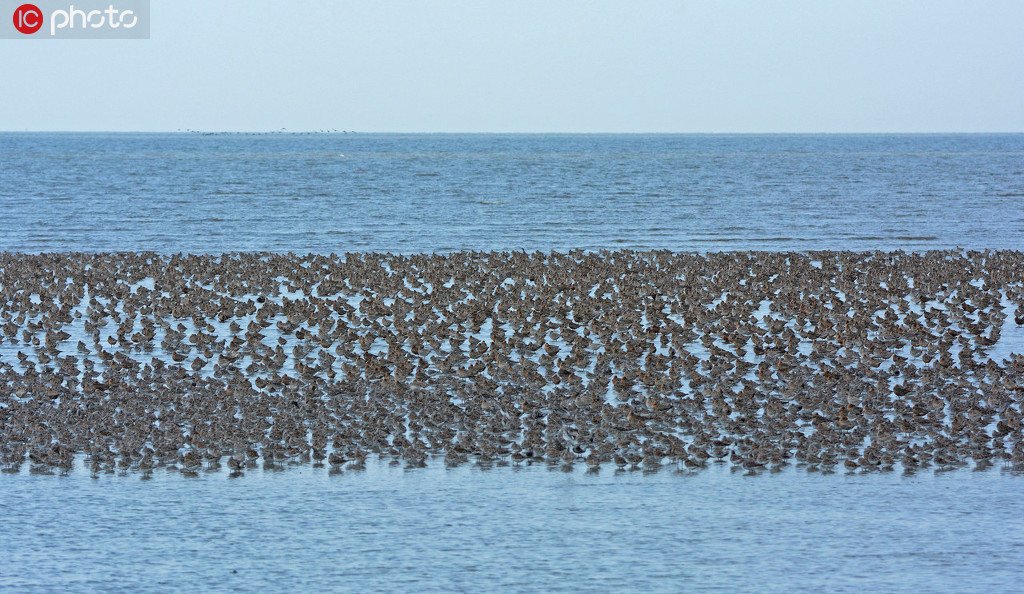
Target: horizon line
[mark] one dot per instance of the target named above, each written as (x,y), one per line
(523,133)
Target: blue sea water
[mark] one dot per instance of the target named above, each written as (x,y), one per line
(528,529)
(426,193)
(506,529)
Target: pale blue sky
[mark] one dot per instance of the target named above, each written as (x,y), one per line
(534,66)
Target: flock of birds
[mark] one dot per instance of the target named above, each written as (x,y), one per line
(859,362)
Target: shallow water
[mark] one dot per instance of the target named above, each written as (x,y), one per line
(524,529)
(425,193)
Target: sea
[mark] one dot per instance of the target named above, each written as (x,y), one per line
(438,193)
(528,528)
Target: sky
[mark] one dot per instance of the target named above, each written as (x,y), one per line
(533,66)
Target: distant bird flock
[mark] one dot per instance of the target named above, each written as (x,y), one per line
(825,361)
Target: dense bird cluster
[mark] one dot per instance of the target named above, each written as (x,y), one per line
(823,360)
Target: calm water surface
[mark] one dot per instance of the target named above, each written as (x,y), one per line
(386,529)
(425,193)
(531,529)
